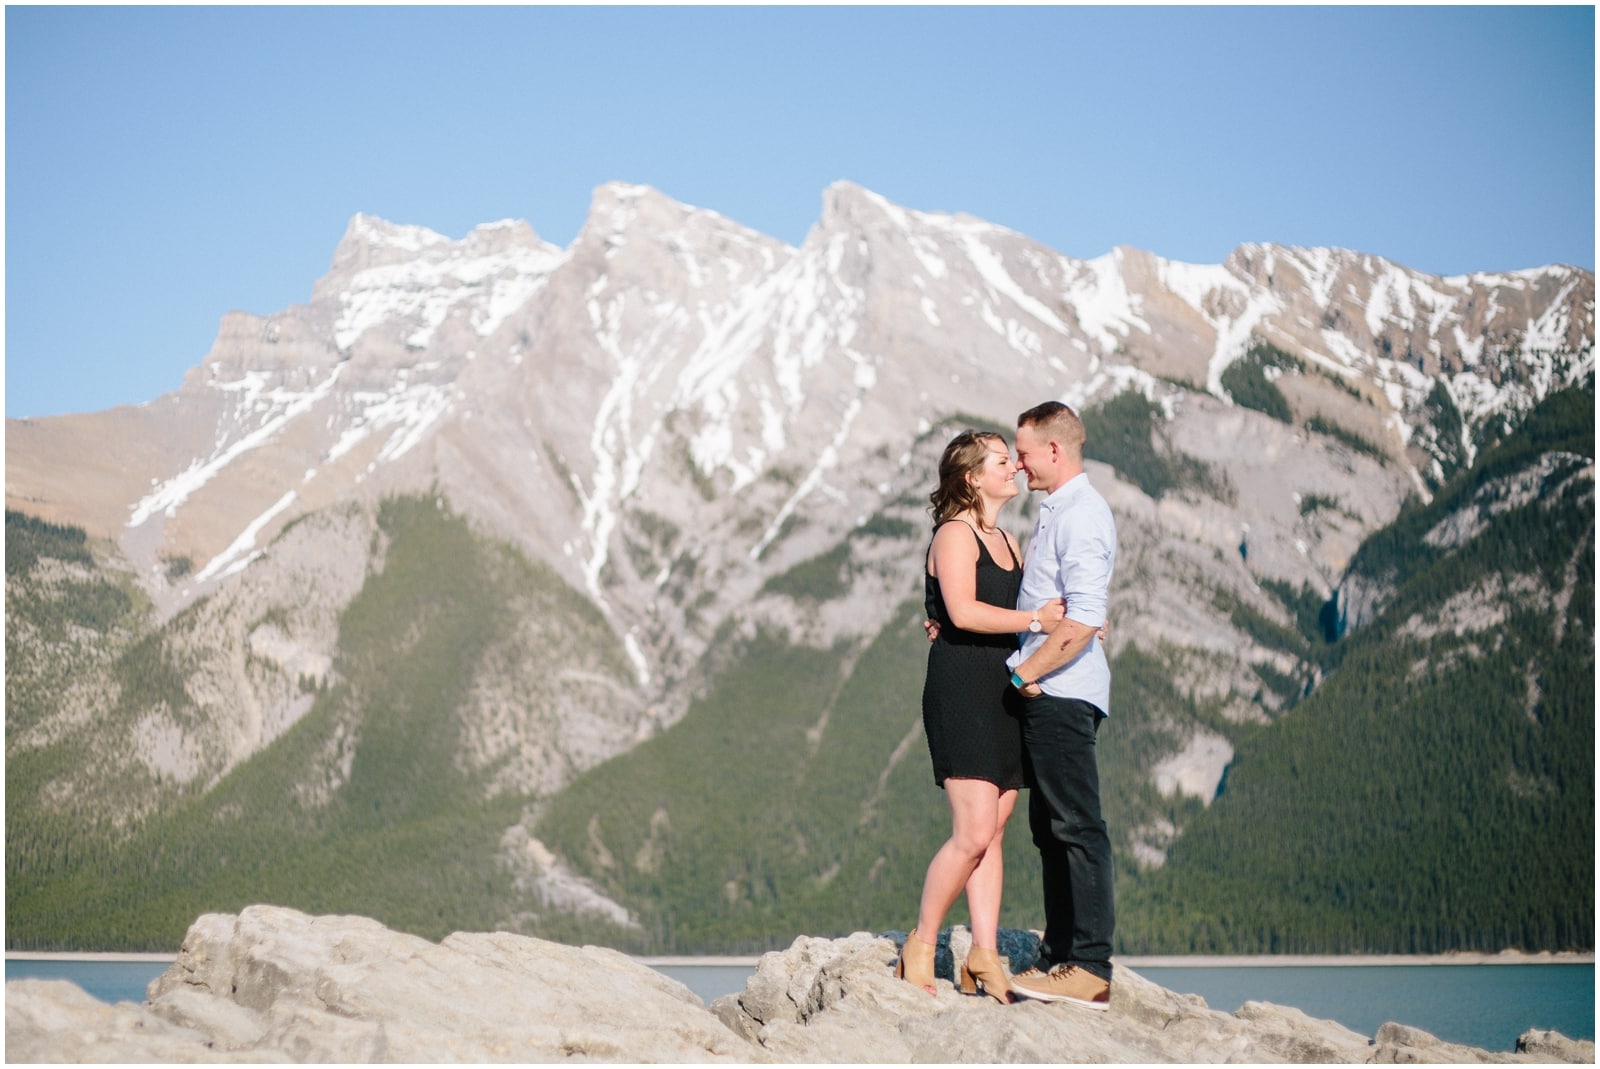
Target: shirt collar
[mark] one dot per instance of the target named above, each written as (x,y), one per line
(1063,492)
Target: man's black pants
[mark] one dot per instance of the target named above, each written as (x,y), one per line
(1058,736)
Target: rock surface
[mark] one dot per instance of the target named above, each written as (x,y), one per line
(271,984)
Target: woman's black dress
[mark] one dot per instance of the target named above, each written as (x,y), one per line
(968,704)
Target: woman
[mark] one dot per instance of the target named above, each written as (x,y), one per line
(973,573)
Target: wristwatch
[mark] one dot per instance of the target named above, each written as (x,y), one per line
(1020,683)
(1034,625)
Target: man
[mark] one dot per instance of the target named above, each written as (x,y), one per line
(1066,683)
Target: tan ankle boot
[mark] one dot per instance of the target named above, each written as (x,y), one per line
(984,968)
(916,962)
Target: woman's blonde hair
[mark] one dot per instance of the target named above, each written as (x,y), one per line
(965,456)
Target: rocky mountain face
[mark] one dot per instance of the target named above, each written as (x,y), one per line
(675,413)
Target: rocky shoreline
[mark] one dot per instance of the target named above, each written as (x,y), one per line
(271,984)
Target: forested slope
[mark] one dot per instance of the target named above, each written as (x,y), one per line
(364,806)
(1436,792)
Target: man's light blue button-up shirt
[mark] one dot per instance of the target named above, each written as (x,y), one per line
(1073,550)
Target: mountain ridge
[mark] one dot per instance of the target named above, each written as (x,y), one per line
(398,397)
(707,435)
(844,203)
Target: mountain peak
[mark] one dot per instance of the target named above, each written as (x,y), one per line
(846,205)
(503,236)
(622,191)
(849,207)
(616,206)
(371,242)
(374,232)
(621,212)
(843,187)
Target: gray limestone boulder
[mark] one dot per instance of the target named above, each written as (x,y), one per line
(272,984)
(1555,1047)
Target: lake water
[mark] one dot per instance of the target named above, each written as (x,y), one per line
(1486,1006)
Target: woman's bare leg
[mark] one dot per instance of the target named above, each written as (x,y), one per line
(985,884)
(975,814)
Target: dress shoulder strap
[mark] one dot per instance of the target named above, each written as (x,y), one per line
(982,549)
(1012,550)
(968,524)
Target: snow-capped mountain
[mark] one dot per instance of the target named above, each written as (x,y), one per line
(675,408)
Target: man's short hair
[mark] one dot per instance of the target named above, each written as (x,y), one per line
(1056,421)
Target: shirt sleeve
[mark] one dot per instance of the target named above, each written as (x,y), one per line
(1085,547)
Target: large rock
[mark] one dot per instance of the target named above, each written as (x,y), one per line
(57,1021)
(275,984)
(835,1000)
(272,984)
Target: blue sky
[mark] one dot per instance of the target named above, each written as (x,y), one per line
(167,165)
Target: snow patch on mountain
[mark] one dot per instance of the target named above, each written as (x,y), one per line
(1234,334)
(814,479)
(1320,270)
(619,454)
(1098,292)
(1195,283)
(229,560)
(274,407)
(423,292)
(1112,379)
(411,409)
(1549,331)
(992,269)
